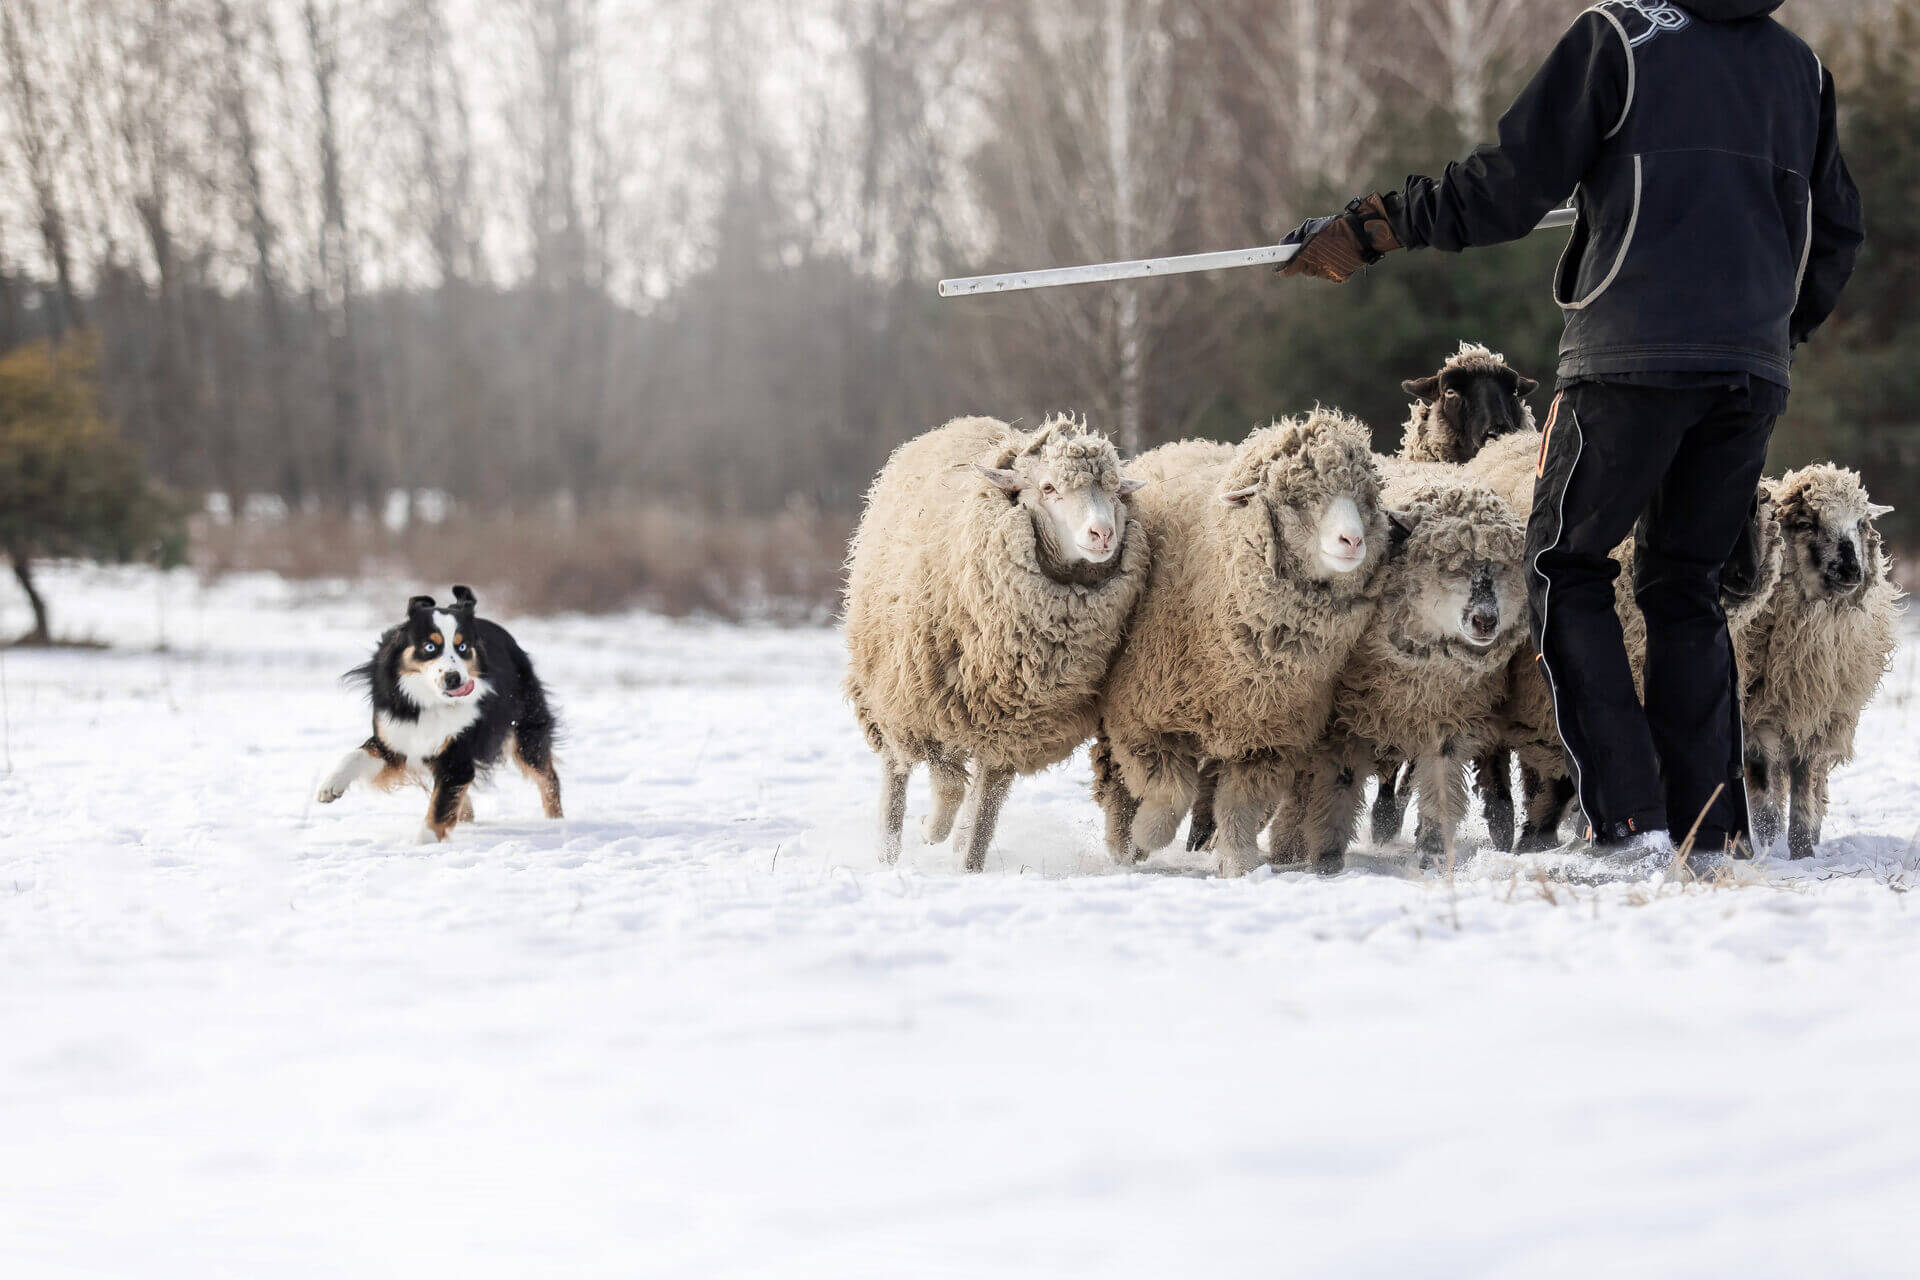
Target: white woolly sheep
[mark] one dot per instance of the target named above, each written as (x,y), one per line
(988,587)
(1816,652)
(1265,575)
(1475,397)
(1425,679)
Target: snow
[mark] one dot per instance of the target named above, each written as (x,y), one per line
(696,1030)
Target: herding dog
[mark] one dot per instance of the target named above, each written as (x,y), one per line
(450,693)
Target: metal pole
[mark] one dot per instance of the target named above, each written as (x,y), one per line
(1051,277)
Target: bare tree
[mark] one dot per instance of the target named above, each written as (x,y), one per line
(42,141)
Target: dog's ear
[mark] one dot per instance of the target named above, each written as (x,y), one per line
(419,603)
(464,598)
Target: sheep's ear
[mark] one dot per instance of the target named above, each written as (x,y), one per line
(1130,487)
(1875,510)
(1239,497)
(419,603)
(1526,386)
(1400,525)
(1005,480)
(1424,388)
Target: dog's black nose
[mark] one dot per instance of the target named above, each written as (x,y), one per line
(451,680)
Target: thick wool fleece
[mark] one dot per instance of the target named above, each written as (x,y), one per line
(1811,662)
(1236,646)
(1403,693)
(1428,436)
(959,642)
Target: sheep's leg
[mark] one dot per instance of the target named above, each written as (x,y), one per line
(1287,830)
(1389,804)
(1493,779)
(1442,782)
(949,789)
(1763,777)
(1115,800)
(1333,801)
(1547,800)
(893,805)
(1168,779)
(1803,819)
(981,814)
(1201,829)
(1249,791)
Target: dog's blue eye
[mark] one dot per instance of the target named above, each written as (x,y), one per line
(460,648)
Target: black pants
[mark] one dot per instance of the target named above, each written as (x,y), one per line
(1683,465)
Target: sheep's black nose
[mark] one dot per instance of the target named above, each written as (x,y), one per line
(1484,621)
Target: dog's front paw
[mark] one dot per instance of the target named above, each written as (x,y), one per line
(331,791)
(427,835)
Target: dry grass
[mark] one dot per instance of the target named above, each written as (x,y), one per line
(785,567)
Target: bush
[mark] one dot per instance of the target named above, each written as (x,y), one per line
(69,485)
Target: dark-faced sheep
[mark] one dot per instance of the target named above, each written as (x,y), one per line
(1815,653)
(1265,574)
(1475,397)
(989,584)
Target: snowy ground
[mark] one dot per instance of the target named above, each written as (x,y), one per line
(696,1030)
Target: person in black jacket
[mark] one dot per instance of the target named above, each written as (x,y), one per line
(1717,227)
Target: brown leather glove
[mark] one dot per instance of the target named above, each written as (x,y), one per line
(1334,248)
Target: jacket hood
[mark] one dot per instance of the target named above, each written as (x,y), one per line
(1730,10)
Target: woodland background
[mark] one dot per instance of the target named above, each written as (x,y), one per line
(617,301)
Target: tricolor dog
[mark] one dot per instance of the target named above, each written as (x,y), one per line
(451,693)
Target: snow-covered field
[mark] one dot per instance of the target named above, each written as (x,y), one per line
(695,1029)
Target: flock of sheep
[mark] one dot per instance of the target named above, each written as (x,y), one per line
(1247,633)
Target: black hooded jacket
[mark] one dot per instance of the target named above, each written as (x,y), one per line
(1718,223)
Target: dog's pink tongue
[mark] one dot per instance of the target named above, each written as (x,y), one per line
(462,691)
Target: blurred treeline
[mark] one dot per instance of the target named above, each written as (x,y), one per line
(595,257)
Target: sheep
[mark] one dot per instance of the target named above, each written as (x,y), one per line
(1474,398)
(1265,574)
(1425,679)
(989,584)
(1815,653)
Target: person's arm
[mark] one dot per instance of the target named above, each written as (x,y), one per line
(1837,228)
(1548,141)
(1549,138)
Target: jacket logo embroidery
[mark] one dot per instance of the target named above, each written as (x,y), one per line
(1651,17)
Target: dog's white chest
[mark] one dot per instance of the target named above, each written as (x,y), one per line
(422,739)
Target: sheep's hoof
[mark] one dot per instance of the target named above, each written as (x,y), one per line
(1536,841)
(934,832)
(1331,864)
(1800,843)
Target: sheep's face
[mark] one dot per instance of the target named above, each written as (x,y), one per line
(1832,545)
(1069,481)
(1326,533)
(1457,559)
(1476,402)
(1482,604)
(1320,492)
